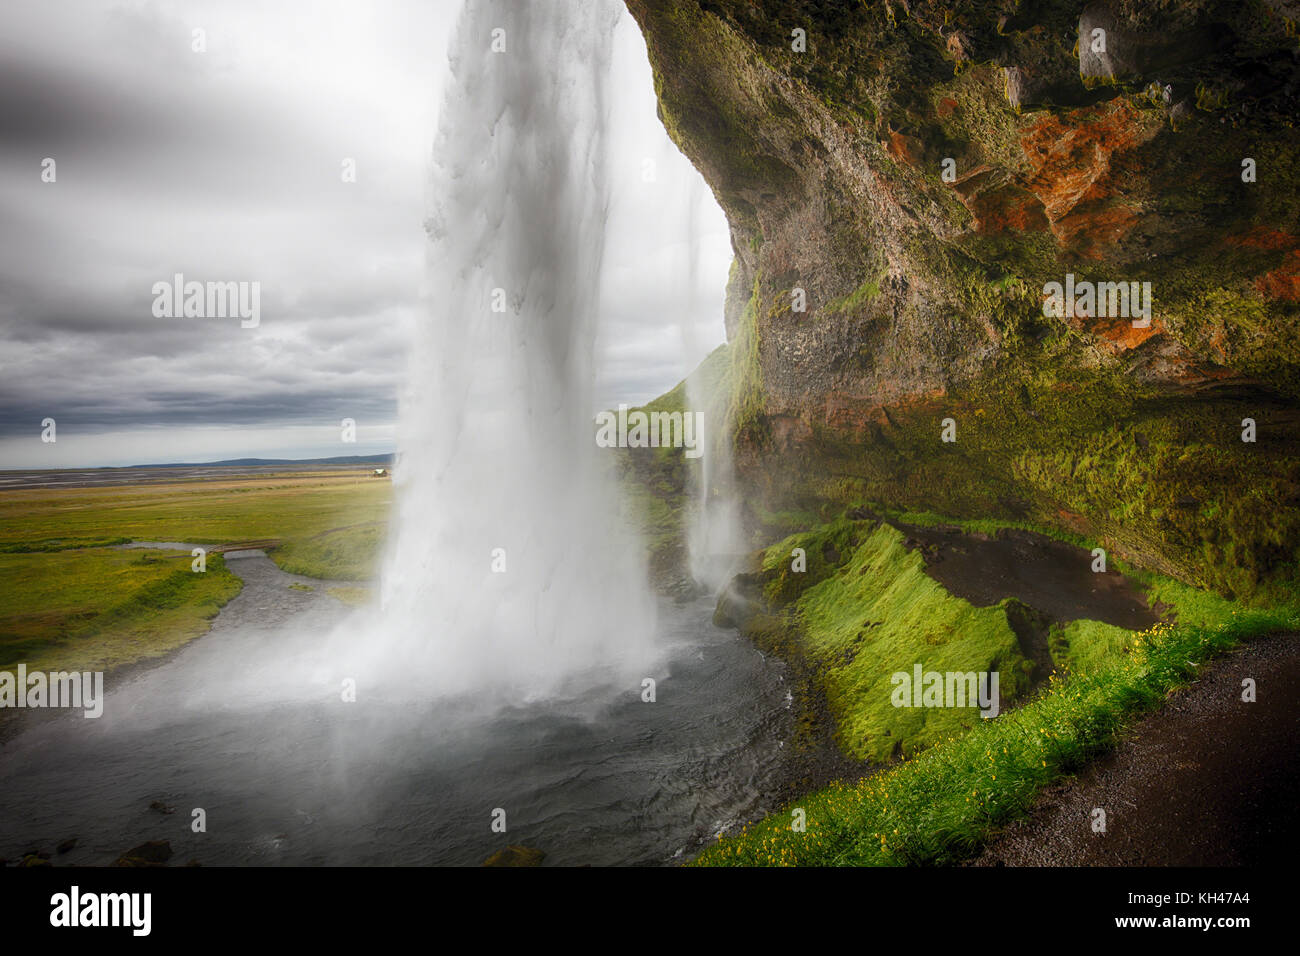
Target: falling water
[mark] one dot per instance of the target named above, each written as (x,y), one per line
(498,452)
(713,534)
(509,570)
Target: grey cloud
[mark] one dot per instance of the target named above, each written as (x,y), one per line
(225,166)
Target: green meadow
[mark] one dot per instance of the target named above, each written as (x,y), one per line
(70,599)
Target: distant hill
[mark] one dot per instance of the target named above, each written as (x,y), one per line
(245,462)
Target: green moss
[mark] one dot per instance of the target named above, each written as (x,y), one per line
(1083,646)
(1164,480)
(855,300)
(939,807)
(748,402)
(1210,98)
(864,609)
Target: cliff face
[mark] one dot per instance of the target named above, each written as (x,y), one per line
(915,174)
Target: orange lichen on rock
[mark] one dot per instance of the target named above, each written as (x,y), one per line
(1282,283)
(1070,171)
(855,414)
(1263,237)
(1092,228)
(999,206)
(1123,335)
(903,148)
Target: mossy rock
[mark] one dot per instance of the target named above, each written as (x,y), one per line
(516,855)
(152,853)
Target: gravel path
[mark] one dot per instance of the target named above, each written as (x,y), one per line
(1208,780)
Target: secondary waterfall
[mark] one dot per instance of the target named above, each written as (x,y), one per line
(509,570)
(713,534)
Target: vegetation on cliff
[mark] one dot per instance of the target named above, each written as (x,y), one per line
(919,171)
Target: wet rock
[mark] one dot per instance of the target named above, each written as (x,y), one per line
(1024,87)
(682,589)
(1106,52)
(35,859)
(814,175)
(516,855)
(1180,113)
(739,601)
(66,845)
(1136,47)
(153,853)
(161,807)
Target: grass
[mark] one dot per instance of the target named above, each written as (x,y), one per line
(346,554)
(863,608)
(940,806)
(68,599)
(351,596)
(876,612)
(1080,647)
(101,608)
(301,510)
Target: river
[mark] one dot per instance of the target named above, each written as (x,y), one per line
(287,777)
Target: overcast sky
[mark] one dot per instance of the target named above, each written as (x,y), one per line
(226,165)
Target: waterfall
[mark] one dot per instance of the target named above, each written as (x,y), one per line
(713,535)
(509,570)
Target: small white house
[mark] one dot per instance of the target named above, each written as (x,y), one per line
(380,473)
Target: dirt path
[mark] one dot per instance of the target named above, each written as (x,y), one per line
(1207,781)
(1050,576)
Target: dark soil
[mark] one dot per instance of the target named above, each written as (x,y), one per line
(1208,780)
(1048,575)
(813,758)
